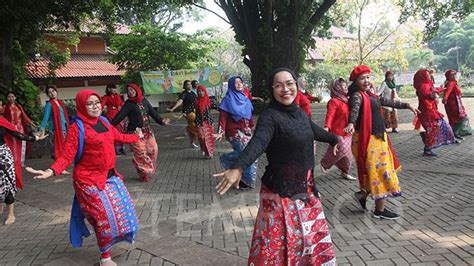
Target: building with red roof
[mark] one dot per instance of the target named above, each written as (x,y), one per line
(88,66)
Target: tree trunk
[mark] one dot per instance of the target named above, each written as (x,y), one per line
(6,60)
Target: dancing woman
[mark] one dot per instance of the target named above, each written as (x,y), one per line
(100,194)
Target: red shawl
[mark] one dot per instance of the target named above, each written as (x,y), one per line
(58,127)
(364,136)
(202,102)
(9,141)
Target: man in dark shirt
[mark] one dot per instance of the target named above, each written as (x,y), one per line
(187,99)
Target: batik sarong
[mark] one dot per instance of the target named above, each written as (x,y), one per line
(7,173)
(145,154)
(291,232)
(343,159)
(382,180)
(110,212)
(206,138)
(390,117)
(437,133)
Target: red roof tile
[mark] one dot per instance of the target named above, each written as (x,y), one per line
(80,65)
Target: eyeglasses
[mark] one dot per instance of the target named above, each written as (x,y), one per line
(290,84)
(91,105)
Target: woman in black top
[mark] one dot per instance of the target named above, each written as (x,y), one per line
(10,165)
(187,99)
(289,200)
(138,111)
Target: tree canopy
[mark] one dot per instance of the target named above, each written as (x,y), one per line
(454,44)
(435,11)
(151,48)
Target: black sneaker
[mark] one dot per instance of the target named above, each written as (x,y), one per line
(361,198)
(385,214)
(244,186)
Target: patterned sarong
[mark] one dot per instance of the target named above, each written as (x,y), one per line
(206,138)
(110,211)
(291,232)
(343,159)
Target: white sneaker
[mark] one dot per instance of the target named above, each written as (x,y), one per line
(194,146)
(348,176)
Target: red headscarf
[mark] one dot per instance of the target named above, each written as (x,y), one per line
(358,71)
(421,77)
(139,97)
(81,108)
(448,74)
(202,102)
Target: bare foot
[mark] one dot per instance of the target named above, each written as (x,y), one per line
(10,219)
(65,172)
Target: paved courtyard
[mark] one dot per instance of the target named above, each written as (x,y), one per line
(184,222)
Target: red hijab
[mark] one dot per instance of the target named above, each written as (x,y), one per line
(139,97)
(81,108)
(202,102)
(448,74)
(422,77)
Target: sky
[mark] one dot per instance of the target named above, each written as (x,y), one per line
(209,19)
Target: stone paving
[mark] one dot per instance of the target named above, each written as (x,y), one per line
(184,222)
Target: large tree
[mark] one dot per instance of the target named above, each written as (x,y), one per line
(22,22)
(275,33)
(435,11)
(151,48)
(454,44)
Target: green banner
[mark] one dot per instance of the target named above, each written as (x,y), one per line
(171,81)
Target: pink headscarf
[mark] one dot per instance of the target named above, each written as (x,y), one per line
(338,90)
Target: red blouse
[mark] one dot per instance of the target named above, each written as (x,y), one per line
(337,116)
(229,126)
(426,104)
(113,104)
(98,155)
(302,101)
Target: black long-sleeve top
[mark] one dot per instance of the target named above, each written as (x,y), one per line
(15,134)
(131,110)
(378,124)
(286,135)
